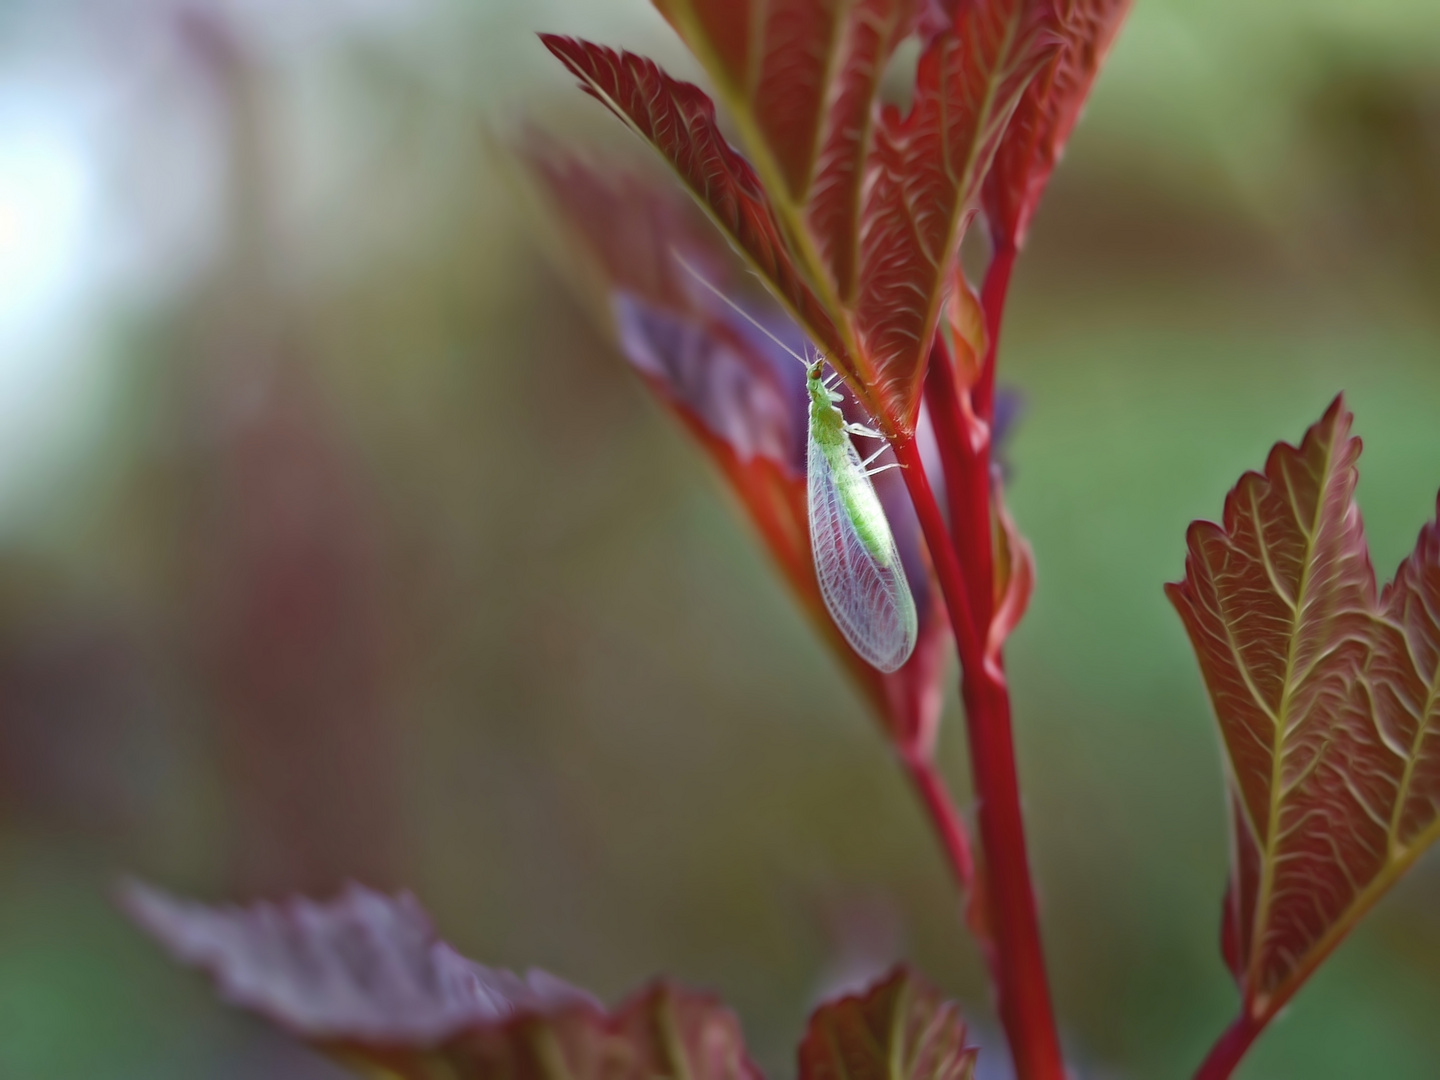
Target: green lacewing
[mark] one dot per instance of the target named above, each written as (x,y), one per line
(857,563)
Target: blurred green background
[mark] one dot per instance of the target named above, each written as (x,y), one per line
(335,542)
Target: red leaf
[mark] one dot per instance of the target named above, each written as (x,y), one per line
(679,120)
(740,396)
(855,216)
(1406,675)
(628,228)
(1047,114)
(806,93)
(1326,699)
(662,1031)
(835,212)
(899,1029)
(924,179)
(364,979)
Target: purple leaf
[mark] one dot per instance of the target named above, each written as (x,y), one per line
(365,979)
(363,967)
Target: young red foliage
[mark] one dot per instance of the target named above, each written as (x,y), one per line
(856,214)
(1046,116)
(1030,150)
(679,120)
(804,85)
(1328,700)
(898,1029)
(870,205)
(925,175)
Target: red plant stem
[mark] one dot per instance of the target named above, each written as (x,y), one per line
(967,481)
(1225,1055)
(1021,987)
(992,301)
(942,554)
(930,786)
(955,840)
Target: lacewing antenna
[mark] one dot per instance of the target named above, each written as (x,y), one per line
(735,307)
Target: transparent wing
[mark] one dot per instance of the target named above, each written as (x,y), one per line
(868,597)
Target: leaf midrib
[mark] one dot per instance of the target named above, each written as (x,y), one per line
(773,180)
(1277,792)
(984,119)
(1393,870)
(1417,743)
(615,107)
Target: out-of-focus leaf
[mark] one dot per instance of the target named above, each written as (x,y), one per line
(855,216)
(365,979)
(364,967)
(899,1029)
(628,236)
(1327,702)
(1014,579)
(284,597)
(739,394)
(1047,115)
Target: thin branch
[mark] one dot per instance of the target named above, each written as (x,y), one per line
(1021,985)
(954,839)
(944,815)
(1225,1055)
(993,295)
(967,481)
